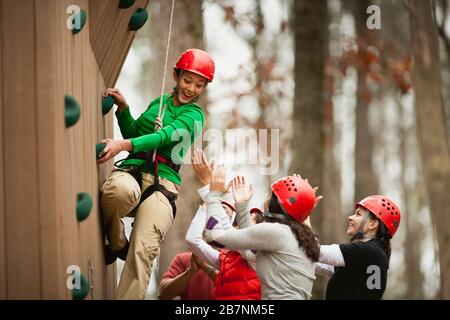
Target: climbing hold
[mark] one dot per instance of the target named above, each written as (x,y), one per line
(84,205)
(125,4)
(107,104)
(138,19)
(99,148)
(78,21)
(71,110)
(81,287)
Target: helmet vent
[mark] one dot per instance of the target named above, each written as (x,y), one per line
(289,189)
(292,200)
(295,190)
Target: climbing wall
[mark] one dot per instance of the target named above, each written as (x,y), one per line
(43,163)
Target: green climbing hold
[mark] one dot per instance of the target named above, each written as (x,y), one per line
(78,21)
(107,104)
(81,287)
(71,110)
(84,206)
(125,4)
(99,148)
(138,19)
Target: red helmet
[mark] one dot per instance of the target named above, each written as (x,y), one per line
(384,209)
(296,196)
(197,61)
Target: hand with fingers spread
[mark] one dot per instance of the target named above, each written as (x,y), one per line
(318,198)
(240,192)
(118,97)
(203,170)
(113,147)
(218,180)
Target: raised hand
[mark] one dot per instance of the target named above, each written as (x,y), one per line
(218,180)
(118,97)
(318,198)
(203,170)
(240,192)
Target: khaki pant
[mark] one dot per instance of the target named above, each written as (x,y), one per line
(120,195)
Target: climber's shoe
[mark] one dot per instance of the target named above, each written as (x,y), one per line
(111,255)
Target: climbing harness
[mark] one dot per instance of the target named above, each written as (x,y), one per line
(360,233)
(152,161)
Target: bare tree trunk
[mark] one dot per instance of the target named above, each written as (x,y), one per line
(443,6)
(187,32)
(333,231)
(395,31)
(310,25)
(412,194)
(366,181)
(333,228)
(432,135)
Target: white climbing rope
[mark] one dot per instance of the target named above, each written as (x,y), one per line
(162,108)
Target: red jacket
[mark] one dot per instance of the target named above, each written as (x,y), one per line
(236,280)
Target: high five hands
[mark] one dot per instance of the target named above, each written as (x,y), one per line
(218,180)
(240,192)
(318,198)
(316,201)
(203,169)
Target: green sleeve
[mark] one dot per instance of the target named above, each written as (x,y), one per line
(190,122)
(127,123)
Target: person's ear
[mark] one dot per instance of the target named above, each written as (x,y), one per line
(374,225)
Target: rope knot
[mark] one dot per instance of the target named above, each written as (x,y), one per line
(158,124)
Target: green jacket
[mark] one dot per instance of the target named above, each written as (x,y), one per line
(181,126)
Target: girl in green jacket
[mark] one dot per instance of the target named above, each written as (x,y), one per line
(145,185)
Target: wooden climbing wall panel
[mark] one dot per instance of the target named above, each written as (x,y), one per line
(43,164)
(111,48)
(20,144)
(2,195)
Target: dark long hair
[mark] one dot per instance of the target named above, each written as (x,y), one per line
(307,240)
(383,235)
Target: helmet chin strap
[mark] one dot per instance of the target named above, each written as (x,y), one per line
(360,234)
(268,214)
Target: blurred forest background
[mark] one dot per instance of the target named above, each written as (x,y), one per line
(360,111)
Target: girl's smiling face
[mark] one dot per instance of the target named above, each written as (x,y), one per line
(355,220)
(190,86)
